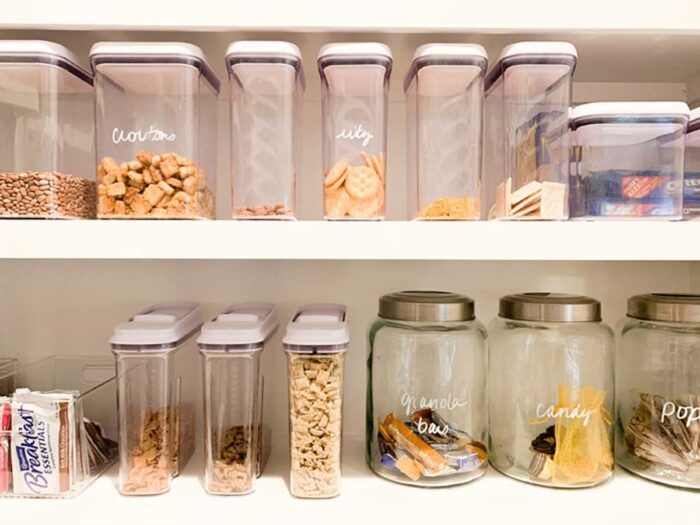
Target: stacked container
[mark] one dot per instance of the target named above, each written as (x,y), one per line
(156,393)
(266,83)
(230,346)
(156,122)
(691,182)
(355,88)
(628,160)
(526,148)
(444,103)
(46,132)
(315,343)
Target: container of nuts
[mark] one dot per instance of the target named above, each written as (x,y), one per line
(156,122)
(157,389)
(46,132)
(315,343)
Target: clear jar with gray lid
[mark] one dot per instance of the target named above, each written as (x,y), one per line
(427,414)
(658,389)
(551,390)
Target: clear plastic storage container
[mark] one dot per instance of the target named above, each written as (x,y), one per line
(551,390)
(427,415)
(526,144)
(691,182)
(230,346)
(315,343)
(46,132)
(444,105)
(58,427)
(156,125)
(157,385)
(628,160)
(658,389)
(266,83)
(355,89)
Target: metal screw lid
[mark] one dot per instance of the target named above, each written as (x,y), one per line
(426,306)
(669,307)
(550,307)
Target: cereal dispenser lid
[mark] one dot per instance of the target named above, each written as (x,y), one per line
(549,307)
(446,55)
(426,306)
(318,325)
(668,307)
(602,111)
(266,52)
(165,324)
(355,53)
(242,324)
(45,52)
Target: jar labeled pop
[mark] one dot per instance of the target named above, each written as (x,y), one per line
(355,87)
(551,390)
(658,389)
(426,404)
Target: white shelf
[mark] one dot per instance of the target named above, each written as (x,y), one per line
(365,498)
(586,241)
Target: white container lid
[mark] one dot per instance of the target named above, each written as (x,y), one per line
(315,325)
(43,51)
(355,53)
(160,324)
(446,55)
(241,325)
(694,115)
(266,52)
(606,110)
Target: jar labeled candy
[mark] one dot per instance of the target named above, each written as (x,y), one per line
(658,389)
(551,390)
(426,405)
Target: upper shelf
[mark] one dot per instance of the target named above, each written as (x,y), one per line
(640,16)
(225,239)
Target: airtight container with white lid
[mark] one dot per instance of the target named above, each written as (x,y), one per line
(156,126)
(691,182)
(315,343)
(354,92)
(230,346)
(526,146)
(444,106)
(46,132)
(266,81)
(157,387)
(628,160)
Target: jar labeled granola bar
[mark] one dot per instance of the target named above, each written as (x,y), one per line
(316,341)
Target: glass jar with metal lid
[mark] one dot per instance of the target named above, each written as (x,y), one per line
(426,402)
(551,390)
(658,389)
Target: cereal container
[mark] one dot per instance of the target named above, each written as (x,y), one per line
(156,122)
(266,83)
(691,182)
(628,161)
(427,415)
(551,390)
(526,143)
(444,104)
(657,389)
(156,381)
(230,346)
(315,343)
(46,132)
(355,87)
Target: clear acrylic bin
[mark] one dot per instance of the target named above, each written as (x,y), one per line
(315,343)
(157,382)
(156,125)
(73,400)
(230,346)
(691,182)
(266,82)
(444,104)
(46,132)
(627,160)
(526,142)
(355,88)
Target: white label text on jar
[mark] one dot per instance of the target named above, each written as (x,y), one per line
(689,413)
(578,412)
(356,133)
(411,404)
(152,134)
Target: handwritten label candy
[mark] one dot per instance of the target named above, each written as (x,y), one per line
(554,412)
(356,133)
(152,134)
(690,414)
(411,404)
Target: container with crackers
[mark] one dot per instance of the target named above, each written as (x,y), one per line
(266,82)
(355,86)
(444,104)
(526,141)
(157,387)
(156,126)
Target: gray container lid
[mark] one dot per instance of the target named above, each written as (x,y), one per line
(550,308)
(426,306)
(668,307)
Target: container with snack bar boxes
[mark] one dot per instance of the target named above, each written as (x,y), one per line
(355,85)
